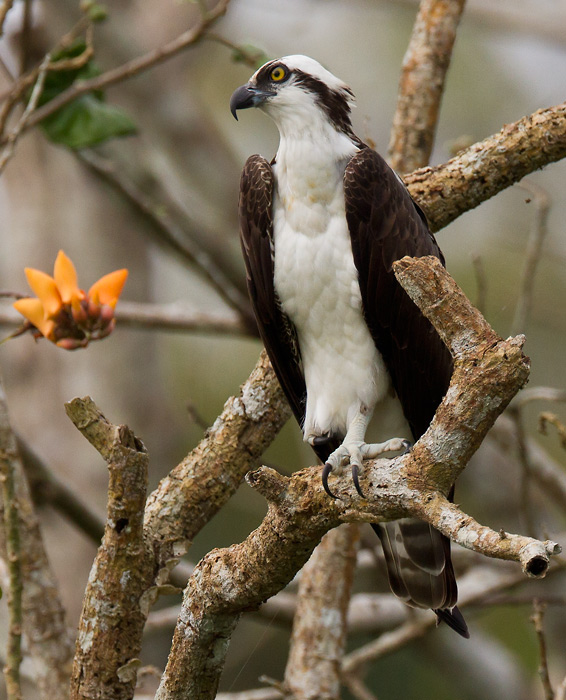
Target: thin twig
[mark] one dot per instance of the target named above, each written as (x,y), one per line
(532,258)
(537,619)
(481,283)
(170,233)
(133,67)
(13,136)
(48,488)
(552,418)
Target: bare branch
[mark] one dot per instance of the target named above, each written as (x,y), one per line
(537,620)
(109,635)
(176,317)
(319,630)
(228,581)
(44,625)
(533,254)
(167,231)
(11,523)
(422,83)
(446,191)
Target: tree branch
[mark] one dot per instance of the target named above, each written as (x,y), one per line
(228,581)
(133,67)
(422,83)
(11,523)
(109,634)
(318,639)
(446,191)
(44,624)
(168,232)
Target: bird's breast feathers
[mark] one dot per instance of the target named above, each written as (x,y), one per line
(317,283)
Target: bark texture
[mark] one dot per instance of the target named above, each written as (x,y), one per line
(422,83)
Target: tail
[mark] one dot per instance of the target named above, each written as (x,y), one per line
(419,569)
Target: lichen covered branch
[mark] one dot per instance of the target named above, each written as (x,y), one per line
(112,617)
(229,581)
(446,191)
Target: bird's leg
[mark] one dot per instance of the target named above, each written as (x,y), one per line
(354,450)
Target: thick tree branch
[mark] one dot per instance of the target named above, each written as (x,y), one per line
(109,634)
(446,191)
(229,581)
(422,83)
(319,630)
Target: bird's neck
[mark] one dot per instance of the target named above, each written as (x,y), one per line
(312,152)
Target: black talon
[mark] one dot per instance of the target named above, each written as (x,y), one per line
(325,472)
(321,440)
(355,479)
(407,447)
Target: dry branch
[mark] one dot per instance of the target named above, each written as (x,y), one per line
(319,632)
(43,622)
(446,191)
(422,83)
(112,617)
(229,581)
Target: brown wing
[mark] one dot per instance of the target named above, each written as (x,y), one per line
(256,236)
(385,225)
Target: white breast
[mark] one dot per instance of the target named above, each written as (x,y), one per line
(317,283)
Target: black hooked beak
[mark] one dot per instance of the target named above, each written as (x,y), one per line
(247,96)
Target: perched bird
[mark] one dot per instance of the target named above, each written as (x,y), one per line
(320,227)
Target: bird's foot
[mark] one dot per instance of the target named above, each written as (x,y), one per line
(354,452)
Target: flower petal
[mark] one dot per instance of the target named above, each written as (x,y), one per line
(33,310)
(107,289)
(66,279)
(46,289)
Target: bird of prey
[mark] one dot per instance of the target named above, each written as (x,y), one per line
(321,226)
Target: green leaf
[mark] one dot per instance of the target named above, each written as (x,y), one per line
(87,121)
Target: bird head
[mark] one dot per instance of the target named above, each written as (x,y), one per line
(296,87)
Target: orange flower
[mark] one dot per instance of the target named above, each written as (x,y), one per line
(64,313)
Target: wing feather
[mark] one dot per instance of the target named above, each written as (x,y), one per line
(256,237)
(385,225)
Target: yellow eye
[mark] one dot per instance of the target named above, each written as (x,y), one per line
(278,73)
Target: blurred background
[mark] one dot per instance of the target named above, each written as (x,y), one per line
(185,160)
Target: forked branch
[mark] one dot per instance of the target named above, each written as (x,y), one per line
(489,371)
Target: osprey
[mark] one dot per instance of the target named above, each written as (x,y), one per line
(320,227)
